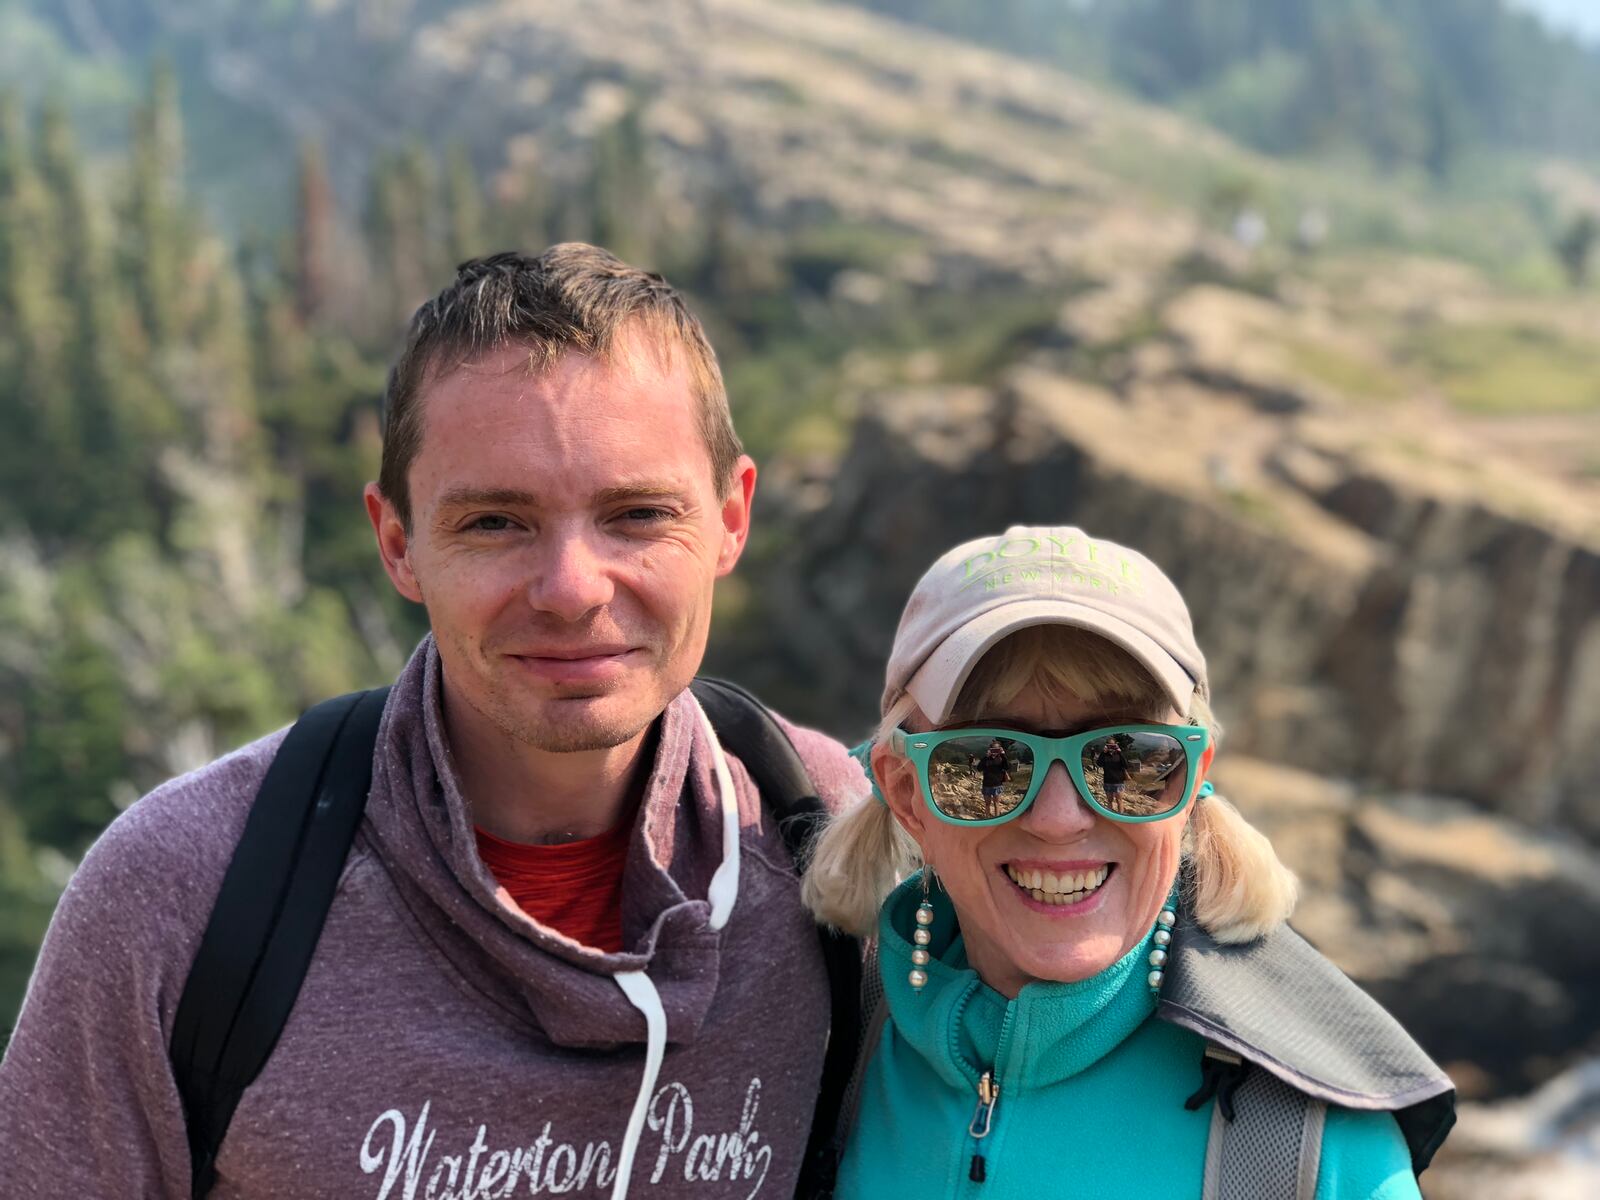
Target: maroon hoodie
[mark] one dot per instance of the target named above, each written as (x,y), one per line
(444,1044)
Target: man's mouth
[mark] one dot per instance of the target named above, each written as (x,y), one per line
(1060,887)
(575,664)
(574,653)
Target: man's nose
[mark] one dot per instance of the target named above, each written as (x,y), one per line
(574,578)
(1058,813)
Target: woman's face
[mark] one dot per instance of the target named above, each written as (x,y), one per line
(1011,938)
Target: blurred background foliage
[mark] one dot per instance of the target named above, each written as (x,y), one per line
(1403,84)
(216,217)
(193,417)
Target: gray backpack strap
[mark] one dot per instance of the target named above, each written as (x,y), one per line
(874,1012)
(1271,1149)
(1293,1015)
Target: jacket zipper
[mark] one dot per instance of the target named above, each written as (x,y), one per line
(981,1124)
(988,1085)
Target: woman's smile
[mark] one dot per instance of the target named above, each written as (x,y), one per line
(1058,889)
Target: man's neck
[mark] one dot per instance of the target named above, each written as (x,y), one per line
(538,797)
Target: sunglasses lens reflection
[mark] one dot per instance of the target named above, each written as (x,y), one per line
(979,778)
(1143,774)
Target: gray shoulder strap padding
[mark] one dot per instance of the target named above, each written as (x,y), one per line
(874,1012)
(1272,1148)
(1281,1005)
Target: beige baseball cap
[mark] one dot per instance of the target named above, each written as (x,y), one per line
(985,589)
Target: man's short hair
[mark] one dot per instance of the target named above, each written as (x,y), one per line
(573,298)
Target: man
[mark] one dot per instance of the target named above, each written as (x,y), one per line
(1113,766)
(541,902)
(996,774)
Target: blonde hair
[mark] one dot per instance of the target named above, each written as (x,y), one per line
(1240,889)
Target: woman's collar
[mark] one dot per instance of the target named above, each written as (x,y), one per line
(1050,1031)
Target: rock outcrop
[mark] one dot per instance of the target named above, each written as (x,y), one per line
(1355,624)
(1471,929)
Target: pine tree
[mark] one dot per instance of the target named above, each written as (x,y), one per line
(154,245)
(71,755)
(155,248)
(38,451)
(621,189)
(225,401)
(94,370)
(521,215)
(400,219)
(1575,247)
(464,207)
(314,235)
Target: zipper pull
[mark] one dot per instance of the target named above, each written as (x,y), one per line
(982,1123)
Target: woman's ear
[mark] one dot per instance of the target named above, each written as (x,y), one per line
(1205,764)
(897,780)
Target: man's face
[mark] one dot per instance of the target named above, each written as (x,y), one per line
(566,535)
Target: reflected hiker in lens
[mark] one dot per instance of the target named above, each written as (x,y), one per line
(995,777)
(1113,770)
(1089,985)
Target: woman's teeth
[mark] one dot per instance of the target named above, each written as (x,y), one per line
(1069,887)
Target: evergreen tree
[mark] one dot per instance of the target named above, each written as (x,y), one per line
(1362,89)
(154,240)
(223,402)
(154,248)
(464,208)
(620,195)
(1285,75)
(315,221)
(400,221)
(1575,247)
(94,367)
(38,452)
(74,713)
(521,215)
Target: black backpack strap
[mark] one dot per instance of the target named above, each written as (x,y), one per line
(269,914)
(748,729)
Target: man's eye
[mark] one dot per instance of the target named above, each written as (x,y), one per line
(489,523)
(648,516)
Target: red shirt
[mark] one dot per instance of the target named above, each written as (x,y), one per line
(574,888)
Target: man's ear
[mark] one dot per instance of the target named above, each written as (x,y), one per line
(736,514)
(394,547)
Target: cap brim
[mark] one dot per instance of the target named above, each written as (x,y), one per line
(938,682)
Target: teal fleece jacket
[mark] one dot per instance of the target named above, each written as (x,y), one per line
(1091,1089)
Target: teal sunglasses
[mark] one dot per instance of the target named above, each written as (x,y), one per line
(1129,773)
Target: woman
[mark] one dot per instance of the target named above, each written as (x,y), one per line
(1098,996)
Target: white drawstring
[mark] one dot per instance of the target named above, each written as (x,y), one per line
(724,887)
(639,989)
(642,994)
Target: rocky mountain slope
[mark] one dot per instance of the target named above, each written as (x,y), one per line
(1370,457)
(1383,596)
(801,110)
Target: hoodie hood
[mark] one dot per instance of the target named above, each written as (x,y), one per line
(419,824)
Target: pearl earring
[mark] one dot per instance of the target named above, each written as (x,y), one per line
(1158,957)
(921,936)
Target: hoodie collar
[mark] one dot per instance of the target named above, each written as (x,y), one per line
(421,826)
(962,1027)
